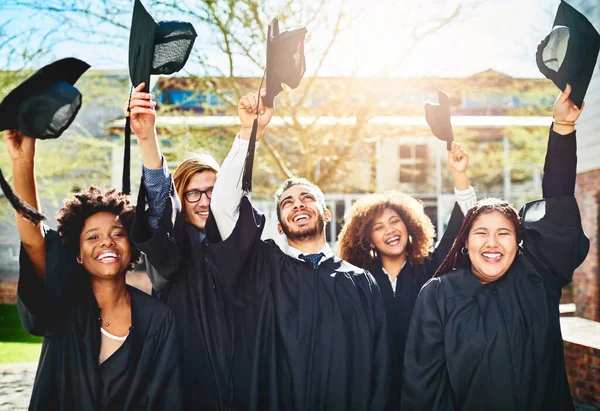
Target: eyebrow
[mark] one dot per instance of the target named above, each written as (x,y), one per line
(299,195)
(98,228)
(486,229)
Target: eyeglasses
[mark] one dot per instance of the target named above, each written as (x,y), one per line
(193,196)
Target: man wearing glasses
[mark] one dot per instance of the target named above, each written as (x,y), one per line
(170,231)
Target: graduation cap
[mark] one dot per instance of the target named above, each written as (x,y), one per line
(42,107)
(154,48)
(568,54)
(285,65)
(438,118)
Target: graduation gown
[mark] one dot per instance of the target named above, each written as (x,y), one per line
(186,279)
(399,306)
(498,346)
(318,339)
(143,374)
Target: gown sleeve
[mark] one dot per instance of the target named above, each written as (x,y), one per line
(553,237)
(445,244)
(165,385)
(241,259)
(40,302)
(425,383)
(165,246)
(380,384)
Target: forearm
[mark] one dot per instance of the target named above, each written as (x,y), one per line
(560,167)
(32,236)
(158,183)
(151,156)
(227,192)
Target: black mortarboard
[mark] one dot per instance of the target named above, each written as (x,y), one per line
(438,118)
(569,53)
(43,106)
(285,65)
(154,48)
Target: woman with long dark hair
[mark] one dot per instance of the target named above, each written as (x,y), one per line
(107,346)
(485,333)
(391,236)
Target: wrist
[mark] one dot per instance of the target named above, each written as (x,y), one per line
(246,131)
(460,180)
(563,129)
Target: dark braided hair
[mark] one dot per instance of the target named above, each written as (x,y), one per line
(71,218)
(455,258)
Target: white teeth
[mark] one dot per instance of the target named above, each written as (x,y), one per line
(107,255)
(301,217)
(492,255)
(391,240)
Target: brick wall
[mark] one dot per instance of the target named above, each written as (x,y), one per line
(586,278)
(583,370)
(8,292)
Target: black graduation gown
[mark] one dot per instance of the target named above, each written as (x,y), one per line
(498,346)
(319,339)
(399,306)
(64,311)
(185,278)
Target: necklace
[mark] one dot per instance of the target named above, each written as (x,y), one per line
(106,323)
(113,337)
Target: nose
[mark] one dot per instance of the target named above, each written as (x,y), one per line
(204,200)
(107,241)
(298,203)
(492,241)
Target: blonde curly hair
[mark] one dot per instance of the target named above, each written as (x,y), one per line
(355,237)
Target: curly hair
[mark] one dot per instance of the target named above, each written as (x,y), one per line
(71,218)
(484,206)
(355,237)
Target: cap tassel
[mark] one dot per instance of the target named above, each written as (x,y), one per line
(28,212)
(249,163)
(126,183)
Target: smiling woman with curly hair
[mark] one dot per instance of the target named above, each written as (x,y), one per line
(391,236)
(106,344)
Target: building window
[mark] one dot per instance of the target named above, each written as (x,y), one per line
(412,159)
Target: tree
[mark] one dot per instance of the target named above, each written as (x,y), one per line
(231,43)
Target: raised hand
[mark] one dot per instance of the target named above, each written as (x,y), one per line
(19,146)
(142,113)
(565,111)
(247,112)
(458,161)
(458,158)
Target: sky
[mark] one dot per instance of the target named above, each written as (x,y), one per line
(495,34)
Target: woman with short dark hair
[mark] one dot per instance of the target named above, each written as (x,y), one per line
(107,346)
(485,333)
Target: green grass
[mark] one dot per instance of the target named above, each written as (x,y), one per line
(15,344)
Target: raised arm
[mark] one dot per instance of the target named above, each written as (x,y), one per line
(560,166)
(21,150)
(228,191)
(156,178)
(458,161)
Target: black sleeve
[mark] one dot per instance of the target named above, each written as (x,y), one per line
(445,244)
(425,383)
(553,237)
(242,259)
(40,302)
(166,246)
(165,386)
(380,382)
(560,166)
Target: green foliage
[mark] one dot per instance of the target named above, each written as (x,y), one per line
(16,345)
